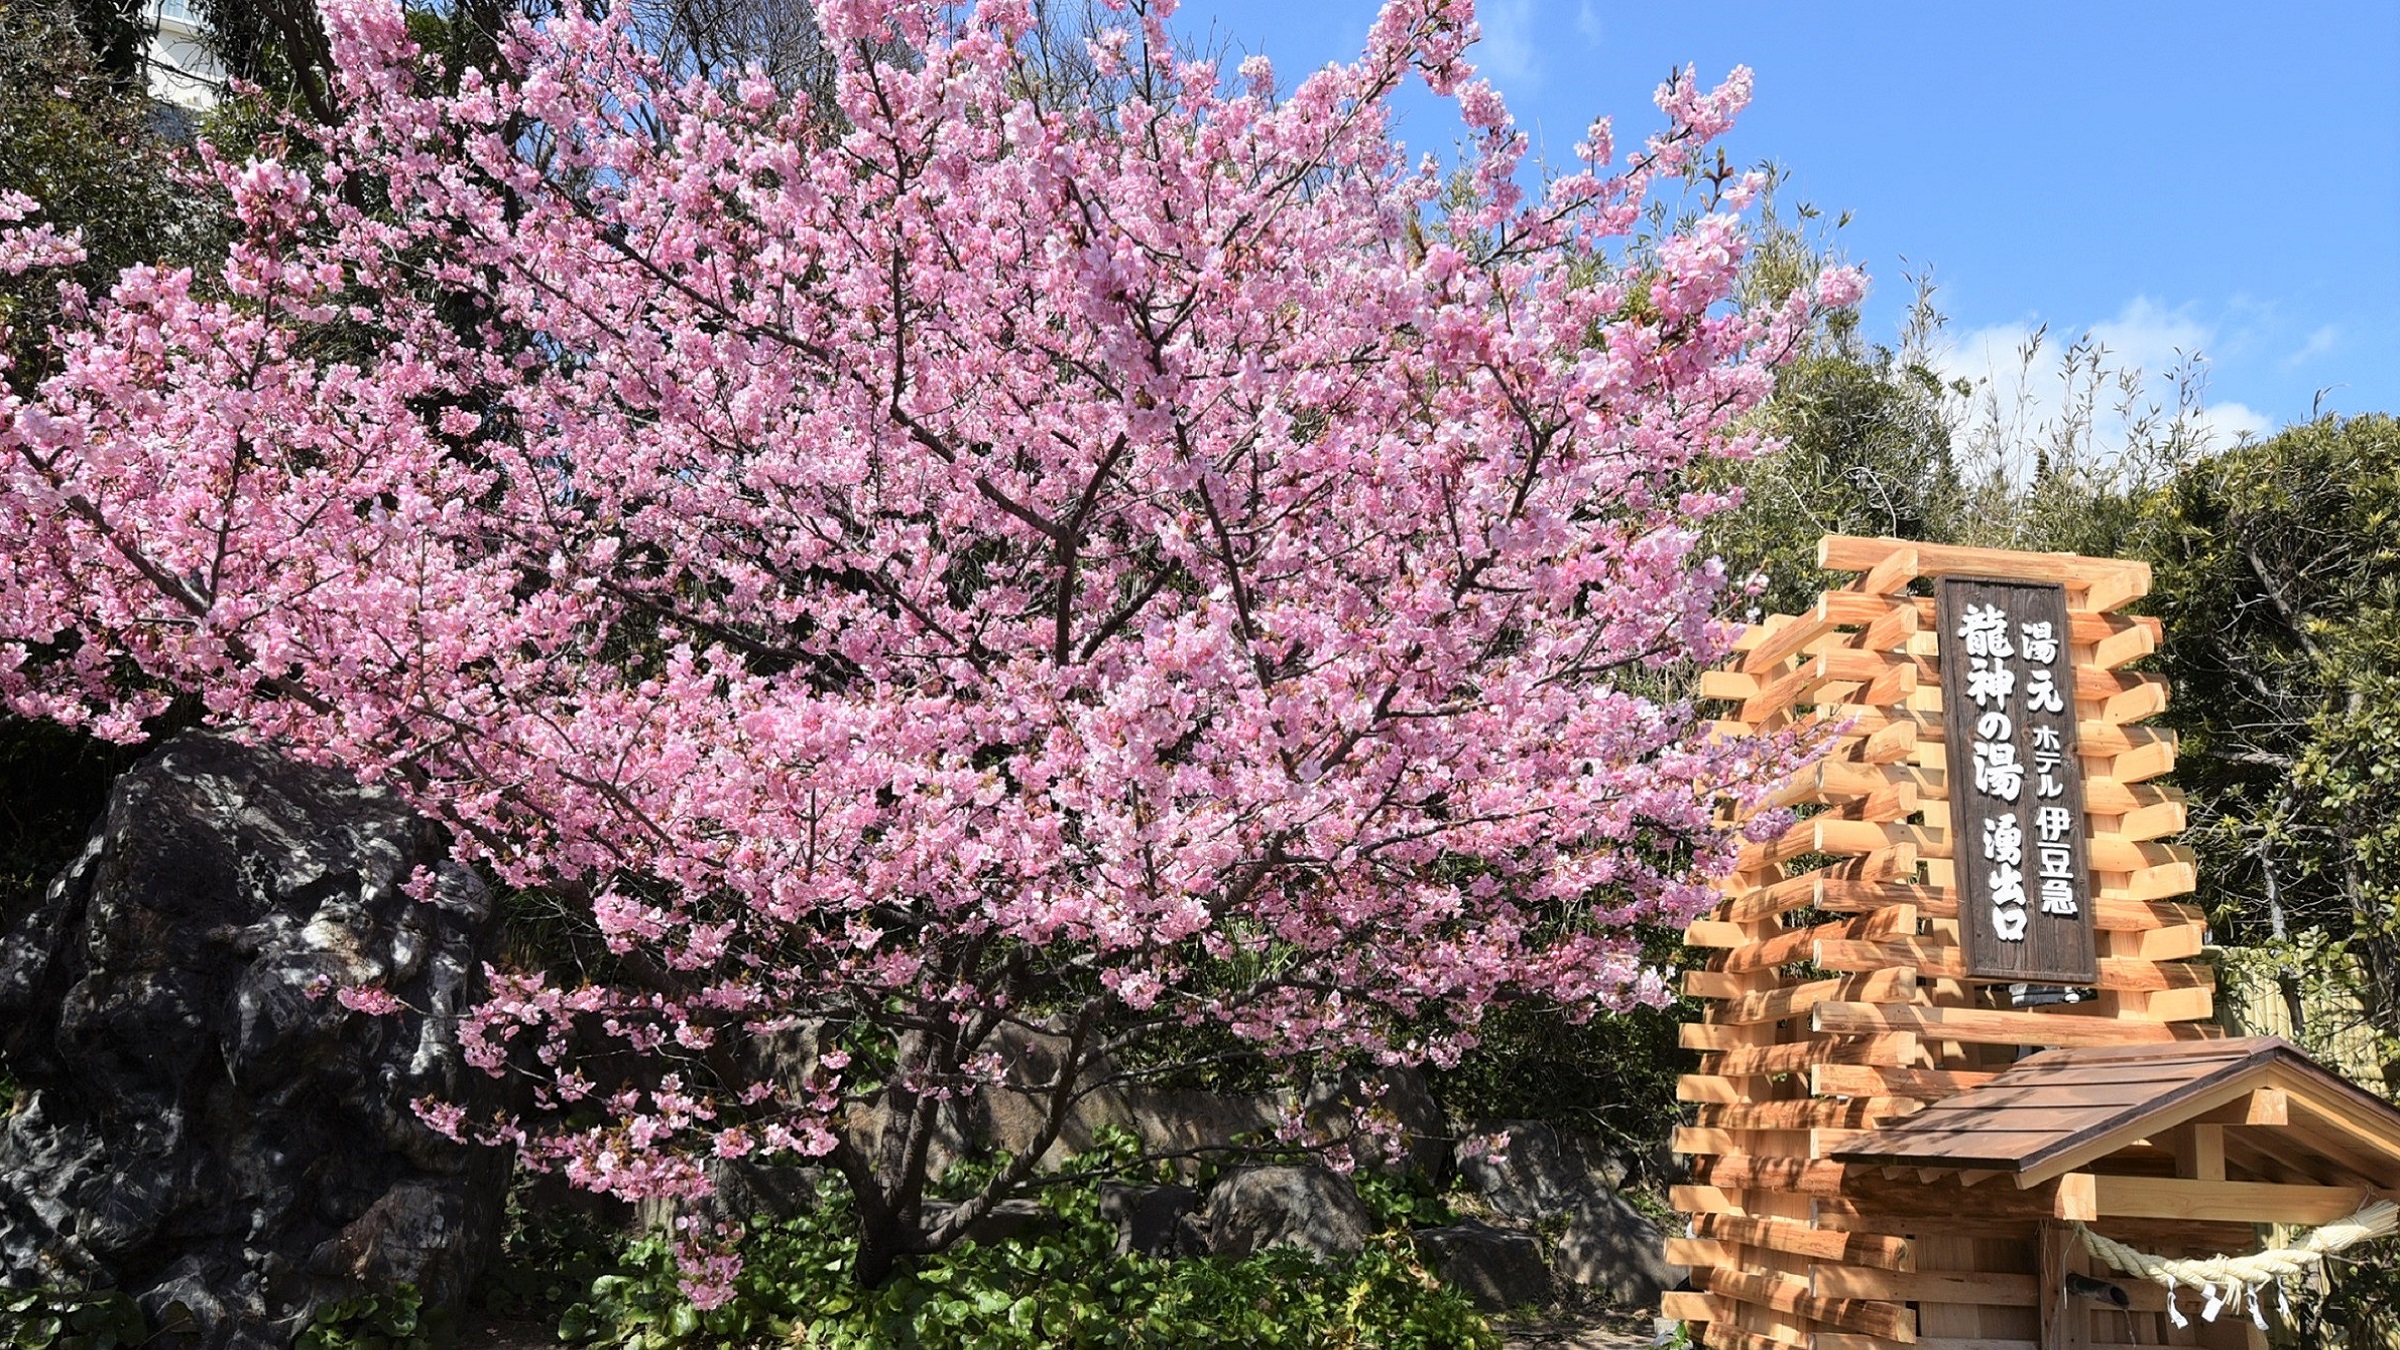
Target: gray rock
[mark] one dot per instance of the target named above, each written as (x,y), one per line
(1388,1117)
(1610,1249)
(1542,1171)
(740,1190)
(1499,1270)
(1298,1206)
(1153,1220)
(1166,1120)
(1007,1221)
(198,1122)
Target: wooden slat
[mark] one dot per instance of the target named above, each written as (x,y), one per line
(1888,573)
(2112,912)
(1800,1056)
(1986,1026)
(1819,834)
(1692,1306)
(1699,1139)
(1909,1196)
(1776,1004)
(2084,627)
(1786,1293)
(1837,780)
(1714,1036)
(1709,1087)
(1932,960)
(1845,1080)
(1843,1341)
(1799,1239)
(1721,1336)
(1701,1200)
(1781,641)
(1791,893)
(1853,553)
(1988,1288)
(1796,944)
(1810,1114)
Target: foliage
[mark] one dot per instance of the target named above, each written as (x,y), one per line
(1067,1288)
(1610,1075)
(2358,1307)
(994,562)
(89,153)
(53,786)
(2278,575)
(72,1319)
(393,1320)
(1864,437)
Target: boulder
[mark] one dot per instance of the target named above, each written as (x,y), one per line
(1540,1170)
(200,1122)
(1184,1121)
(1609,1248)
(1153,1220)
(1498,1269)
(1388,1117)
(1299,1206)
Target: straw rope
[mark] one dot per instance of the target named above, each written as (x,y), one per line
(2226,1279)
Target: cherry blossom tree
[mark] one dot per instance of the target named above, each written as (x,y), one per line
(994,562)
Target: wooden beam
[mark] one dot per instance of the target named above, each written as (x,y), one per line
(1800,1056)
(2200,1152)
(1855,553)
(1788,1293)
(1982,1026)
(1814,1113)
(1843,1080)
(2265,1106)
(2075,1197)
(1989,1288)
(1797,1238)
(1794,944)
(2226,1201)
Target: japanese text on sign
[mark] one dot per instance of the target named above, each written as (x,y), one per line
(2016,798)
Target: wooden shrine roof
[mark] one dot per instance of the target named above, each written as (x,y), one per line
(2055,1111)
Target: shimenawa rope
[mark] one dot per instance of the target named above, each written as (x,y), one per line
(2236,1279)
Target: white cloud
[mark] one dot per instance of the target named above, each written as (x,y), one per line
(2229,422)
(2037,385)
(2152,337)
(1587,22)
(1507,52)
(2319,343)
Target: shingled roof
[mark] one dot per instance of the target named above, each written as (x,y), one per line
(2056,1111)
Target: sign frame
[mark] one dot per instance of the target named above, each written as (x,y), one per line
(2023,871)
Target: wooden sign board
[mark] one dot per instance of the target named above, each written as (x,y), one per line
(2016,786)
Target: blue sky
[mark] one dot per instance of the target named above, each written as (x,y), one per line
(2212,175)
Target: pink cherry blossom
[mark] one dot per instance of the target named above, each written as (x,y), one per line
(1000,560)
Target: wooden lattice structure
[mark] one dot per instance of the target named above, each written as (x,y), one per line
(1839,996)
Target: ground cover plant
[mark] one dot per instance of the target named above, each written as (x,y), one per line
(967,562)
(1065,1286)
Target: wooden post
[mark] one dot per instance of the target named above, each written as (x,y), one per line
(2066,1318)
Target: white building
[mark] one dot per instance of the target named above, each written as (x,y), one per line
(182,69)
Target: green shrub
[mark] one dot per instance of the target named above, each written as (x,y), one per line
(396,1320)
(75,1319)
(1067,1288)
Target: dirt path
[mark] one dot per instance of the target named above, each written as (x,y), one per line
(1578,1331)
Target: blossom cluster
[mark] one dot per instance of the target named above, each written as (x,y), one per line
(973,556)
